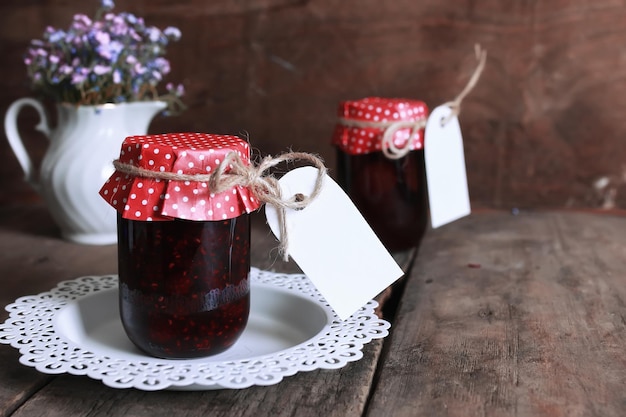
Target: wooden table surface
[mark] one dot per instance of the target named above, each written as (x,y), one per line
(501,315)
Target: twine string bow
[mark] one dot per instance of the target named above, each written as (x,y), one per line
(232,172)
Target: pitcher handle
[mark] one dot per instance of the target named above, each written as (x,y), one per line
(15,140)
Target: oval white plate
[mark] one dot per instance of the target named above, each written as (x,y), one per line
(75,328)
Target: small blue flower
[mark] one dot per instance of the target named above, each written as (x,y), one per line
(130,18)
(108,4)
(153,34)
(56,36)
(172,32)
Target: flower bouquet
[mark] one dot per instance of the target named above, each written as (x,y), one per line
(102,74)
(112,58)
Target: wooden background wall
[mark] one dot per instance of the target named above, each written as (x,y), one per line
(545,122)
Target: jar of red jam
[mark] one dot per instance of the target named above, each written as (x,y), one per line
(390,191)
(183,251)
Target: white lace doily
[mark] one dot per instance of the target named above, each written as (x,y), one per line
(54,332)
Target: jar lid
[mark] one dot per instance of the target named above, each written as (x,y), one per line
(144,198)
(362,124)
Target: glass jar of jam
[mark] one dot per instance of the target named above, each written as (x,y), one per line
(183,251)
(390,192)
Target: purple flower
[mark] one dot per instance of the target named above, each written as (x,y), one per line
(129,17)
(101,69)
(139,68)
(108,4)
(163,65)
(119,21)
(110,51)
(111,58)
(102,38)
(154,34)
(117,76)
(78,78)
(81,21)
(65,69)
(178,90)
(56,36)
(135,36)
(172,33)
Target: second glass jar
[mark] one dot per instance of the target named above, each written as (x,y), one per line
(390,193)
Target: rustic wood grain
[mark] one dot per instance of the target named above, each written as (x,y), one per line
(511,316)
(18,384)
(543,124)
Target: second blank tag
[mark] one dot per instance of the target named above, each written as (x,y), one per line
(333,244)
(448,194)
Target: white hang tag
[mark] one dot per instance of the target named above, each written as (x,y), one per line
(333,244)
(446,176)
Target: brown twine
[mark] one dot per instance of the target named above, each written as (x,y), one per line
(265,188)
(389,149)
(455,105)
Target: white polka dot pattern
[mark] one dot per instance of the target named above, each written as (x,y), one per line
(150,199)
(361,140)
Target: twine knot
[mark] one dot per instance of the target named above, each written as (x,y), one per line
(265,187)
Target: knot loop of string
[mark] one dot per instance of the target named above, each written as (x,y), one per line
(263,186)
(388,147)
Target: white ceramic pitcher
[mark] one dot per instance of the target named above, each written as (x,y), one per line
(79,160)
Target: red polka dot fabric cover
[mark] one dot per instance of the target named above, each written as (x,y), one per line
(360,140)
(140,198)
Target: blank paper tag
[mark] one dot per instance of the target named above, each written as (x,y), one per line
(333,244)
(445,168)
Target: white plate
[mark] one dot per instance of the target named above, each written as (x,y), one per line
(75,328)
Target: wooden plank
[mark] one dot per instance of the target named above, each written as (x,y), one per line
(32,260)
(511,316)
(18,383)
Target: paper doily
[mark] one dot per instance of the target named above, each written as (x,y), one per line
(75,329)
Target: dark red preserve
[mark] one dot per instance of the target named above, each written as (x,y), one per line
(390,193)
(184,289)
(183,251)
